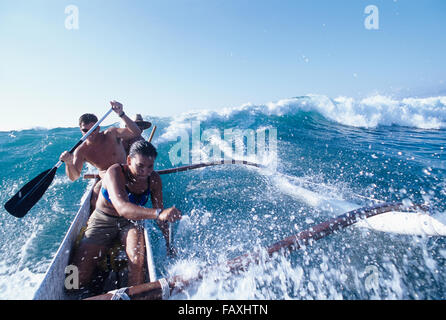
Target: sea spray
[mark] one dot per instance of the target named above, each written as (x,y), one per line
(332,155)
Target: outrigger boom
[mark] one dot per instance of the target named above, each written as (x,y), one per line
(193,166)
(52,287)
(163,288)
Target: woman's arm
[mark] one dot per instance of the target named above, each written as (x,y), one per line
(114,181)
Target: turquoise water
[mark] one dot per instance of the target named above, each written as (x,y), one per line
(332,156)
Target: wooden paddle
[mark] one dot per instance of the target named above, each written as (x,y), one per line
(30,194)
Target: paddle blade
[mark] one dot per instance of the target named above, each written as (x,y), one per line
(27,197)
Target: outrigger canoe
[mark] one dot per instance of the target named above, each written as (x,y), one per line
(164,288)
(111,285)
(112,271)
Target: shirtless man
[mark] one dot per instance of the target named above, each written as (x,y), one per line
(126,188)
(101,149)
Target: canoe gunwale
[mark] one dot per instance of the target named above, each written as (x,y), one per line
(52,285)
(56,271)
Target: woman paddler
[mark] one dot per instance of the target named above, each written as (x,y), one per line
(126,188)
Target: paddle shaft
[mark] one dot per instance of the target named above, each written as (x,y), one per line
(85,136)
(30,193)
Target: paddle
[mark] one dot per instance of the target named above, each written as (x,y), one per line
(30,194)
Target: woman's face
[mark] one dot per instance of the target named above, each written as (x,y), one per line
(140,166)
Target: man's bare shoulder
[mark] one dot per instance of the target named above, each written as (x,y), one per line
(81,151)
(85,150)
(112,131)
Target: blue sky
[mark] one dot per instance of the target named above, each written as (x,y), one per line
(166,57)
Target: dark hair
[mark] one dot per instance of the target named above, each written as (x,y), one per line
(87,118)
(143,148)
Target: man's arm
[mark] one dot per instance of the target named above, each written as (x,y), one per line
(131,129)
(73,164)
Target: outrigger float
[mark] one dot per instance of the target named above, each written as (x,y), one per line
(111,284)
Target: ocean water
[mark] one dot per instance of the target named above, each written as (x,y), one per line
(324,157)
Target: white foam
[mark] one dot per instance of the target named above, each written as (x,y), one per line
(410,223)
(330,199)
(17,281)
(423,113)
(427,113)
(326,198)
(19,285)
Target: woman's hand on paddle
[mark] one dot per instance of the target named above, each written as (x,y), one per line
(170,215)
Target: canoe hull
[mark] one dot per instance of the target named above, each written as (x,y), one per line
(52,286)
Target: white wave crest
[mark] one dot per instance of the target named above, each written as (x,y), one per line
(423,113)
(370,112)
